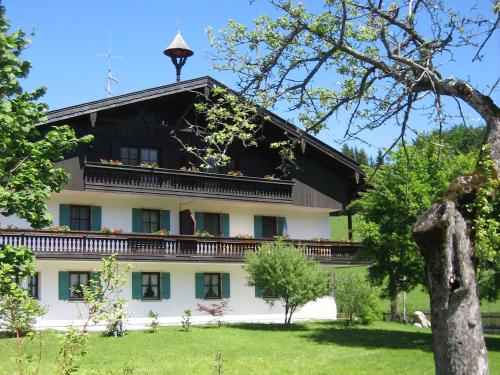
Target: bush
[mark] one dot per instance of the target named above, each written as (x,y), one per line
(283,272)
(356,300)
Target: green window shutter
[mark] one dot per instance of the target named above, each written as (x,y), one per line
(165,219)
(165,285)
(63,285)
(64,210)
(136,285)
(200,225)
(282,226)
(96,218)
(259,292)
(136,220)
(226,285)
(257,226)
(200,285)
(224,225)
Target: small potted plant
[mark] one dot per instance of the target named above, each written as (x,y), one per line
(204,233)
(162,232)
(148,164)
(244,236)
(59,228)
(111,162)
(319,239)
(235,172)
(270,177)
(190,168)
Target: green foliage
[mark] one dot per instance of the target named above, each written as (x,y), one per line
(153,327)
(73,346)
(103,301)
(186,320)
(397,194)
(485,210)
(355,299)
(28,174)
(15,263)
(231,119)
(103,296)
(283,269)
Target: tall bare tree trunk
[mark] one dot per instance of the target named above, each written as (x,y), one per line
(444,237)
(457,329)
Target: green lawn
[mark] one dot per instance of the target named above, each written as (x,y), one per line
(312,348)
(417,299)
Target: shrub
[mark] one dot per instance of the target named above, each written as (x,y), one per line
(356,300)
(281,269)
(217,310)
(153,327)
(186,320)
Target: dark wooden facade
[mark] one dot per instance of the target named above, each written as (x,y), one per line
(322,178)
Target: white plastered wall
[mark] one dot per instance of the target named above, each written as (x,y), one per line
(245,307)
(302,222)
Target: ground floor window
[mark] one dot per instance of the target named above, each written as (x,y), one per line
(76,281)
(212,286)
(33,281)
(150,285)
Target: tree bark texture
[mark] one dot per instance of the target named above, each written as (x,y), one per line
(459,346)
(395,310)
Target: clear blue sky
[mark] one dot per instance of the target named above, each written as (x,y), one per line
(70,34)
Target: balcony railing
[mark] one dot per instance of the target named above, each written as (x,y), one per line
(90,245)
(99,177)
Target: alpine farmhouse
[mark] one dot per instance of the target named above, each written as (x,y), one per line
(135,176)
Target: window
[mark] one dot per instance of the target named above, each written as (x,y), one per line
(136,155)
(269,227)
(79,218)
(211,223)
(212,286)
(129,155)
(76,280)
(33,285)
(150,285)
(149,155)
(150,221)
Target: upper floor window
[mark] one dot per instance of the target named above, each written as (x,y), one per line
(129,155)
(149,155)
(76,280)
(136,155)
(150,221)
(79,217)
(212,223)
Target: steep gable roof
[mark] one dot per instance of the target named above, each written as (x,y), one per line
(189,85)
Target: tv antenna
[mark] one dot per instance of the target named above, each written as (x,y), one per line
(110,79)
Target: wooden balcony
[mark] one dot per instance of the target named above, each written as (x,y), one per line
(103,177)
(128,246)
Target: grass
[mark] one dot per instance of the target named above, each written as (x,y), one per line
(418,298)
(309,348)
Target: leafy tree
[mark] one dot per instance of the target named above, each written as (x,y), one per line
(355,299)
(401,190)
(28,175)
(283,271)
(380,63)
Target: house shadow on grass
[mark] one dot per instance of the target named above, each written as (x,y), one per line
(370,338)
(269,327)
